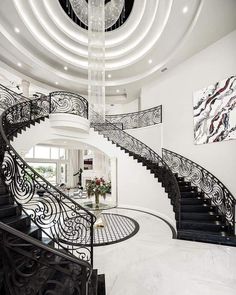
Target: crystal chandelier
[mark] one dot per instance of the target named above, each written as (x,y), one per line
(113,10)
(97,15)
(96,60)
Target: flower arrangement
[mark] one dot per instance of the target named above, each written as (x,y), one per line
(98,186)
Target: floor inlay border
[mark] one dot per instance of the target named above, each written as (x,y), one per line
(118,228)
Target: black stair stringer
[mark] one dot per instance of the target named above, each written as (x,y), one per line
(197,219)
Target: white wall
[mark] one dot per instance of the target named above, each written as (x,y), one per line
(174,90)
(135,185)
(122,108)
(151,136)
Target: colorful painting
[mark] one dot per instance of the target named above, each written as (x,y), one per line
(215,112)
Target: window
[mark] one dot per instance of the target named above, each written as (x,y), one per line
(49,161)
(47,170)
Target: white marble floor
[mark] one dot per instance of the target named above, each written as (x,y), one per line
(152,263)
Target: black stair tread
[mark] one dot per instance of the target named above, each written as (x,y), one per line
(12,219)
(202,233)
(197,208)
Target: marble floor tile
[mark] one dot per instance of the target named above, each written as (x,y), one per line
(152,263)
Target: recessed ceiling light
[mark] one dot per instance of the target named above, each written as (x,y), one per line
(117,90)
(109,75)
(64,141)
(19,64)
(17,30)
(65,68)
(185,9)
(150,61)
(56,83)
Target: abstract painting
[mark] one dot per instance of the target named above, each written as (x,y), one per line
(214,110)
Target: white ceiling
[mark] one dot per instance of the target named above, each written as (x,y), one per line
(156,30)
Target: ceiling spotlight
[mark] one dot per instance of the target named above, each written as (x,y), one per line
(56,83)
(65,68)
(185,9)
(109,75)
(117,90)
(17,30)
(19,64)
(150,61)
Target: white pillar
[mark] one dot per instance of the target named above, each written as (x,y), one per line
(25,87)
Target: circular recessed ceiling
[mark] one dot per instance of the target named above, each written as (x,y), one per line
(50,47)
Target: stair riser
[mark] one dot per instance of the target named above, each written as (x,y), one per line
(20,224)
(228,241)
(197,208)
(3,190)
(203,227)
(10,212)
(199,216)
(186,195)
(187,188)
(6,200)
(193,201)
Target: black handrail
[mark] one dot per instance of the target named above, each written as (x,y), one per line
(208,183)
(66,222)
(27,260)
(138,119)
(9,97)
(148,156)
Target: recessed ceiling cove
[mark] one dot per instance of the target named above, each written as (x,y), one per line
(116,12)
(53,49)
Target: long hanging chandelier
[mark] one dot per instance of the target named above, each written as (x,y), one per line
(96,60)
(97,15)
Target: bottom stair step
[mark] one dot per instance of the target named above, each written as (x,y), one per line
(207,237)
(101,285)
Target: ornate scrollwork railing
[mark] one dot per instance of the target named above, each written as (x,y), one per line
(148,156)
(64,102)
(31,267)
(68,224)
(139,119)
(212,187)
(9,98)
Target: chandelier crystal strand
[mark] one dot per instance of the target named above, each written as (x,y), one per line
(96,60)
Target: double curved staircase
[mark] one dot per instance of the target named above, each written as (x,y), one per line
(56,249)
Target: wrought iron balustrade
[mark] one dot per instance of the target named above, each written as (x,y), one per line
(9,97)
(148,156)
(139,119)
(212,187)
(31,267)
(68,224)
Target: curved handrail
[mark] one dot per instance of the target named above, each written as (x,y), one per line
(212,187)
(43,259)
(66,222)
(9,97)
(149,157)
(138,119)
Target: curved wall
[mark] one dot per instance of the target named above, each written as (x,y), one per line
(135,185)
(175,92)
